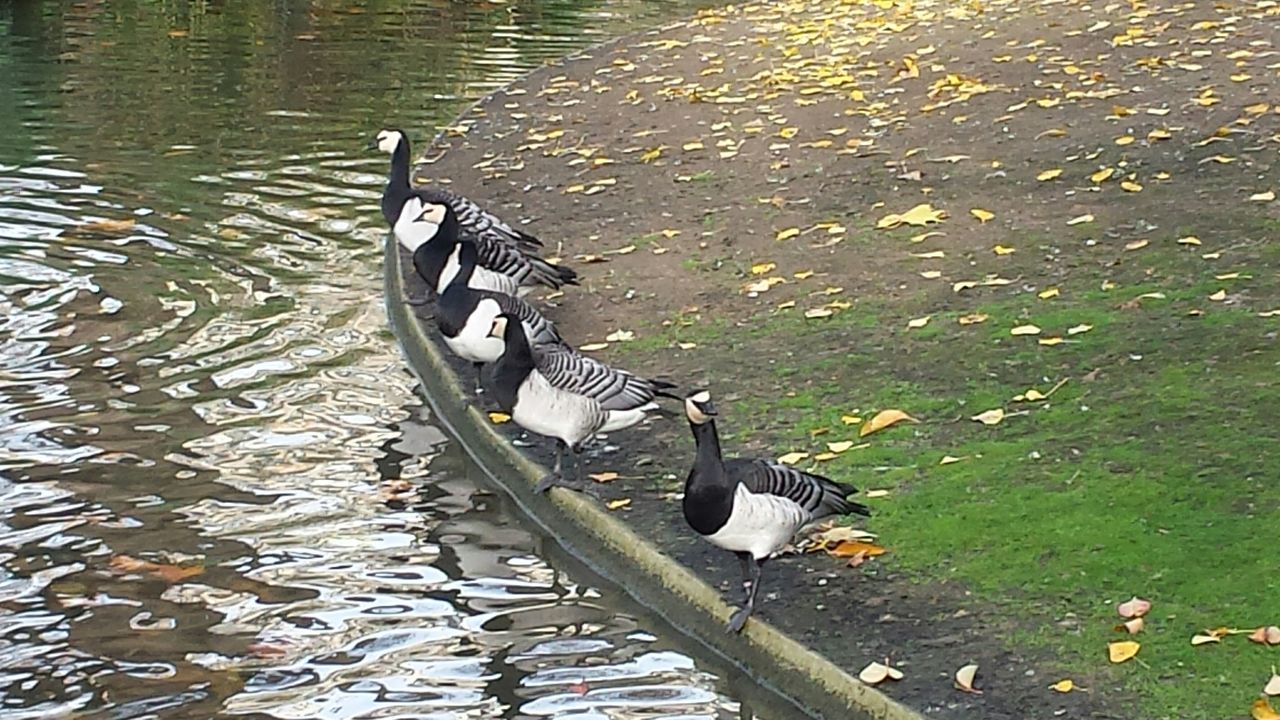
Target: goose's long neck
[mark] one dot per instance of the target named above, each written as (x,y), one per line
(398,179)
(708,459)
(517,354)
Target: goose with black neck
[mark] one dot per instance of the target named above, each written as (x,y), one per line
(465,315)
(502,248)
(748,506)
(555,391)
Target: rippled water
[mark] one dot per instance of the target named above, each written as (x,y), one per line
(219,494)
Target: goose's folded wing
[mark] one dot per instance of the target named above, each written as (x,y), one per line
(614,389)
(817,494)
(483,226)
(544,331)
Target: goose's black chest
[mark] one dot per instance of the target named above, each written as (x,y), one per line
(707,505)
(453,310)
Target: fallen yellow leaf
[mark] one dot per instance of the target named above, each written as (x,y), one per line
(884,419)
(1002,250)
(972,319)
(918,322)
(787,234)
(990,417)
(839,446)
(1122,650)
(1262,710)
(1267,196)
(1102,175)
(1272,687)
(850,419)
(591,347)
(1205,639)
(497,418)
(792,458)
(1189,240)
(1130,186)
(617,504)
(1136,244)
(1025,330)
(982,215)
(1081,219)
(920,215)
(762,268)
(1076,330)
(849,548)
(949,459)
(964,679)
(1063,686)
(1049,174)
(876,673)
(1133,627)
(1046,294)
(1050,341)
(1219,296)
(604,477)
(817,313)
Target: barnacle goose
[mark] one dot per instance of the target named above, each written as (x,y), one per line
(435,230)
(503,248)
(751,507)
(555,391)
(465,315)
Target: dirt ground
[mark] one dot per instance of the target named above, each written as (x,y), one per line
(739,164)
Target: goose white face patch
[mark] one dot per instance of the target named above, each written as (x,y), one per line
(432,213)
(388,140)
(691,407)
(499,327)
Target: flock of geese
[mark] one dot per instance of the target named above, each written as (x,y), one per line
(478,268)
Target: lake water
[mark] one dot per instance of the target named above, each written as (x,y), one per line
(219,492)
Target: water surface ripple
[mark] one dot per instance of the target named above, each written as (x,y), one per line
(219,492)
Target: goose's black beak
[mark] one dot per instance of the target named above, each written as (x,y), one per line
(708,408)
(373,144)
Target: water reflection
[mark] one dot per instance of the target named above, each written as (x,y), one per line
(218,493)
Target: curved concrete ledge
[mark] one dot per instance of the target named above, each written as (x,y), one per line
(814,684)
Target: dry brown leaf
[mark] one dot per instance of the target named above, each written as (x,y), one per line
(1133,608)
(109,226)
(604,477)
(884,419)
(1269,635)
(168,573)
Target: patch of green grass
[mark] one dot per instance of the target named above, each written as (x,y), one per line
(1151,471)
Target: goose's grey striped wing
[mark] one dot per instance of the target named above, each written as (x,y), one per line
(543,330)
(614,389)
(527,269)
(483,226)
(818,495)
